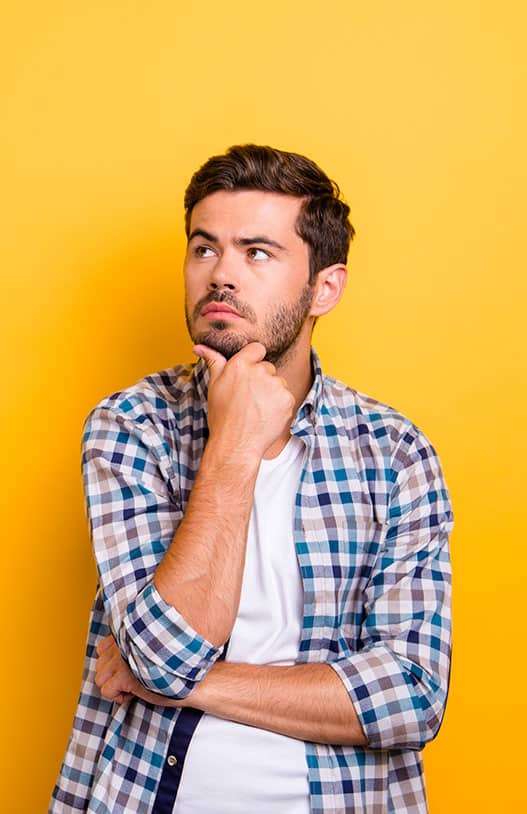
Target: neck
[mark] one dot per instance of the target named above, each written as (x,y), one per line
(295,368)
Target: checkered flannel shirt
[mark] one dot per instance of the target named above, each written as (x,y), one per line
(371,529)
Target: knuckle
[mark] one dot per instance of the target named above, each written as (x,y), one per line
(236,362)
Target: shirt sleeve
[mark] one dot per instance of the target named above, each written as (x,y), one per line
(133,515)
(398,680)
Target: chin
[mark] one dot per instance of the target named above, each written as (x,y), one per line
(226,343)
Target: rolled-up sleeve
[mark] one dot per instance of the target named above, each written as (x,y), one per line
(398,679)
(133,511)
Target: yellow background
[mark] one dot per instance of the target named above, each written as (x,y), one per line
(418,110)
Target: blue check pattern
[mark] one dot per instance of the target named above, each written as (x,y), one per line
(371,533)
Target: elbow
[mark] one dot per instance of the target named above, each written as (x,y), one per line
(164,653)
(176,683)
(174,676)
(433,721)
(409,728)
(416,735)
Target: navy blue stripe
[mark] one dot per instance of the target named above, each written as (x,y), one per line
(184,728)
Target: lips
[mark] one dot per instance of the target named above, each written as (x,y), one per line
(219,310)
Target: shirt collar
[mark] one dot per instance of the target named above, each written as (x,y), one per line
(306,418)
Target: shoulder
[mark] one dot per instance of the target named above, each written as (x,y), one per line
(165,388)
(378,430)
(360,413)
(155,402)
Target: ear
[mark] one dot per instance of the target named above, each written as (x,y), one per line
(329,287)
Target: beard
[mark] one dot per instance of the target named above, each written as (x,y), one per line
(280,328)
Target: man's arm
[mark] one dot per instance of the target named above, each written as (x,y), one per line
(391,693)
(249,407)
(305,701)
(395,680)
(398,679)
(170,614)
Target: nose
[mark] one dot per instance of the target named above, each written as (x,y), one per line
(223,275)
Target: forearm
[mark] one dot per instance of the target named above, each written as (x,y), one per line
(201,573)
(304,701)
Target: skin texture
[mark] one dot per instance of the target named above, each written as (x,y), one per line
(263,281)
(202,571)
(305,701)
(244,255)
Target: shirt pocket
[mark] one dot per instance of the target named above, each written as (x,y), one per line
(339,555)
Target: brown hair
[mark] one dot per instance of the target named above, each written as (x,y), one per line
(323,221)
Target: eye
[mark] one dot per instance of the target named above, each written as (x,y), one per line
(258,254)
(203,251)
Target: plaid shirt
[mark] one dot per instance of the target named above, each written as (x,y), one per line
(371,530)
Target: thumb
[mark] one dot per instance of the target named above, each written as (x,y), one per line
(215,361)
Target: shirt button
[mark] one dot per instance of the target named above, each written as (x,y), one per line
(171,760)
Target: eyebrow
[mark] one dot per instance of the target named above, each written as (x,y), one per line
(240,241)
(266,241)
(202,233)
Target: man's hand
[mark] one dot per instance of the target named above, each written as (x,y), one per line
(112,675)
(306,701)
(249,409)
(117,682)
(249,406)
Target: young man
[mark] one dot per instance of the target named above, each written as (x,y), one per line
(271,628)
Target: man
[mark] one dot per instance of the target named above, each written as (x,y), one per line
(271,628)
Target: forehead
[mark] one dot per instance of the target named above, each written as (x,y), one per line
(246,213)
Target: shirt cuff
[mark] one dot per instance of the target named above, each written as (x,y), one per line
(386,699)
(163,651)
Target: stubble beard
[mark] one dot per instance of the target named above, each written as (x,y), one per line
(280,332)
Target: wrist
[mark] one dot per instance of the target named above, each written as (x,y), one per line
(225,452)
(206,691)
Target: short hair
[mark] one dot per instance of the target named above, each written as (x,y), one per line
(323,221)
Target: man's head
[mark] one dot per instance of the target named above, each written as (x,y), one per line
(268,238)
(323,220)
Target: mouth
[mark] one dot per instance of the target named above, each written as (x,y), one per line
(220,311)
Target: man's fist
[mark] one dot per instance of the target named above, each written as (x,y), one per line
(249,406)
(112,675)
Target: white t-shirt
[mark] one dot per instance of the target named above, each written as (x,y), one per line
(231,768)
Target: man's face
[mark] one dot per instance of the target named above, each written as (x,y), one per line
(246,273)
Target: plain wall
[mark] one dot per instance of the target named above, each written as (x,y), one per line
(418,111)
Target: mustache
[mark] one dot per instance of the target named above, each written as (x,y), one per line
(229,299)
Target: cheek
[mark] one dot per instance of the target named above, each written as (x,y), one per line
(191,289)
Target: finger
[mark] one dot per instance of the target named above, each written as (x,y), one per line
(104,661)
(109,692)
(252,352)
(117,683)
(104,644)
(104,673)
(110,688)
(268,367)
(107,666)
(106,656)
(215,361)
(123,697)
